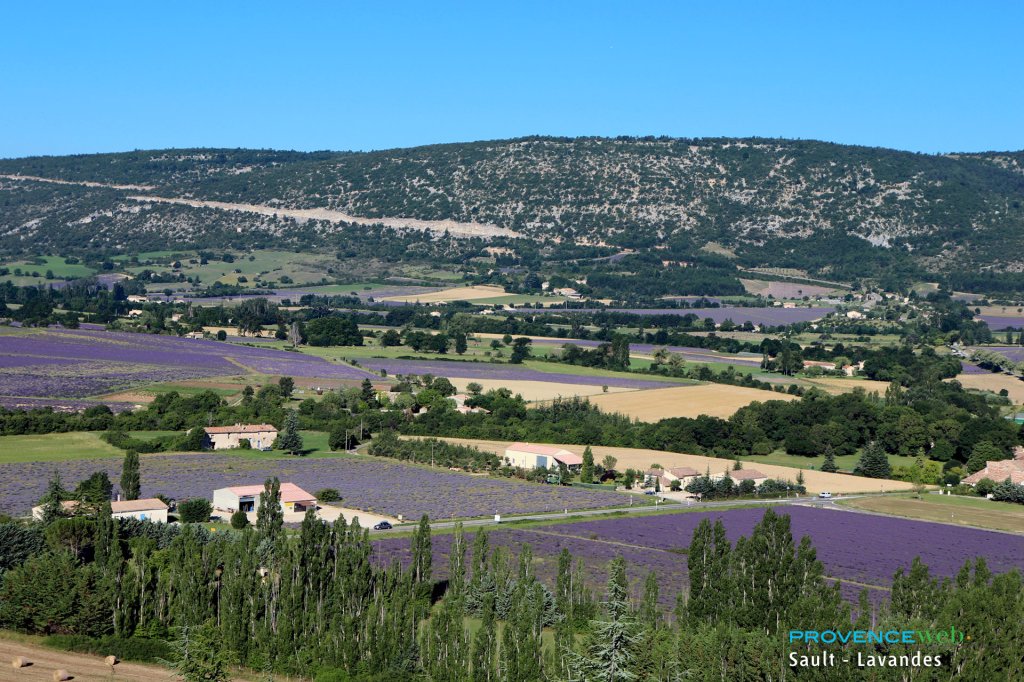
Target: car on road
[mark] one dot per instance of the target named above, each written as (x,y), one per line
(383,525)
(825,495)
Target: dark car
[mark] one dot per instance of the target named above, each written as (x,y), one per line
(383,525)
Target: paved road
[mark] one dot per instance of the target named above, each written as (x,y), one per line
(629,511)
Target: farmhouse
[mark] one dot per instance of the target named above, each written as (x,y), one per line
(998,472)
(748,475)
(682,474)
(260,436)
(149,509)
(530,456)
(247,498)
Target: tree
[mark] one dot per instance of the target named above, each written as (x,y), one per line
(195,510)
(199,654)
(290,440)
(520,350)
(239,520)
(269,514)
(985,451)
(829,465)
(874,462)
(327,495)
(460,343)
(587,472)
(609,651)
(609,463)
(287,385)
(53,499)
(96,489)
(131,482)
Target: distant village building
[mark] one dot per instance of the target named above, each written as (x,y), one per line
(854,315)
(568,292)
(260,436)
(247,498)
(531,456)
(135,298)
(998,472)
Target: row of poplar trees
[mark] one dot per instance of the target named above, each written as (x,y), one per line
(315,604)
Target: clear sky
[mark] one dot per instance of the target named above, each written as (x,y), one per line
(931,76)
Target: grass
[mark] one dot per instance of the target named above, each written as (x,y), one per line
(962,511)
(55,447)
(55,263)
(846,463)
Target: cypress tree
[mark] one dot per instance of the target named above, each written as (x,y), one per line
(290,440)
(587,472)
(131,482)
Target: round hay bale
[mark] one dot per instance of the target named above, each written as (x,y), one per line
(61,675)
(20,662)
(111,660)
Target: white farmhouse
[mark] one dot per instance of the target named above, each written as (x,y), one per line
(530,456)
(148,509)
(260,436)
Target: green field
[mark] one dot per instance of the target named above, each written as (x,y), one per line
(962,511)
(845,463)
(55,447)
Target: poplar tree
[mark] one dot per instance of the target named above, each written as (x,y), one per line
(131,482)
(422,556)
(587,472)
(485,643)
(269,514)
(708,566)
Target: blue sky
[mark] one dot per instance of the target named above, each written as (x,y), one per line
(80,77)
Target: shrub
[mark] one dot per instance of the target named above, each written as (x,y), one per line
(985,486)
(126,648)
(196,510)
(327,495)
(239,520)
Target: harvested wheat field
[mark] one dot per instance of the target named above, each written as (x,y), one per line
(637,458)
(533,391)
(82,667)
(994,382)
(715,400)
(454,294)
(836,385)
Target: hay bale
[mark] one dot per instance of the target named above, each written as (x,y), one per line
(61,675)
(111,661)
(20,662)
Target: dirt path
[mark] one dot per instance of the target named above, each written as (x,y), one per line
(454,228)
(80,183)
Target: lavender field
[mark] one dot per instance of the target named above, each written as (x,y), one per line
(1000,322)
(1015,353)
(490,370)
(689,354)
(857,549)
(63,363)
(378,485)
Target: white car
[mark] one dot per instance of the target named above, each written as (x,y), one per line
(825,495)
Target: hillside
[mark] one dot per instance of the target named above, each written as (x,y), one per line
(812,205)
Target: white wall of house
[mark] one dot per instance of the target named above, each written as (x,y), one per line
(258,440)
(155,515)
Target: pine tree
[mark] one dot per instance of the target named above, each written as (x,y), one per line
(609,653)
(873,462)
(52,501)
(290,440)
(270,515)
(829,465)
(131,483)
(198,654)
(587,472)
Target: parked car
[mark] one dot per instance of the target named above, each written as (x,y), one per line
(383,525)
(825,495)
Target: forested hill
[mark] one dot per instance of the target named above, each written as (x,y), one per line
(773,202)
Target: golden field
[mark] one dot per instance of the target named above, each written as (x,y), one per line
(715,400)
(638,458)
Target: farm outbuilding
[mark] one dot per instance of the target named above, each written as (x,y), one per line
(148,509)
(1012,469)
(247,498)
(748,475)
(260,436)
(531,456)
